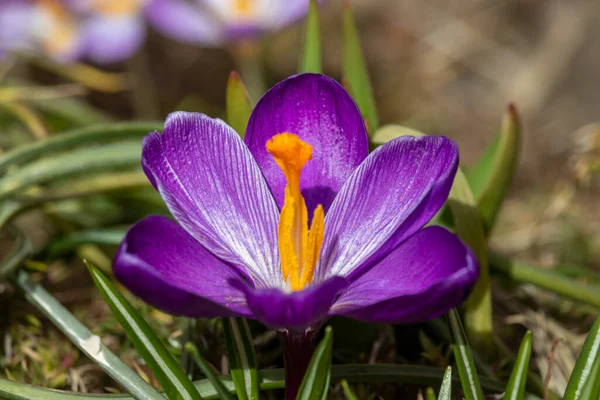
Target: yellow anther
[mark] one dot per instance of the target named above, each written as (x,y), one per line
(298,247)
(62,30)
(116,7)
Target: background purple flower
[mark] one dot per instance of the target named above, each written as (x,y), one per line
(215,22)
(377,262)
(103,31)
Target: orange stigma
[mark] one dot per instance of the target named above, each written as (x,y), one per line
(299,247)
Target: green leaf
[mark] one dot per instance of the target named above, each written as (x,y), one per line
(84,161)
(468,226)
(80,137)
(355,72)
(269,380)
(210,374)
(515,390)
(446,388)
(315,383)
(492,174)
(89,343)
(389,132)
(549,280)
(242,360)
(591,388)
(311,54)
(348,392)
(464,359)
(168,371)
(21,249)
(430,394)
(585,366)
(238,104)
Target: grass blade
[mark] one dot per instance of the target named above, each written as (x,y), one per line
(468,226)
(83,161)
(549,280)
(311,54)
(591,388)
(585,364)
(269,380)
(464,359)
(348,392)
(492,174)
(430,394)
(242,360)
(355,72)
(238,104)
(22,248)
(210,374)
(86,341)
(446,388)
(315,383)
(168,372)
(515,390)
(78,137)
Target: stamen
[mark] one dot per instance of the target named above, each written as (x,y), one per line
(298,247)
(62,31)
(242,7)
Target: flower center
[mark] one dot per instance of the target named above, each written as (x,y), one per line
(299,247)
(60,32)
(116,7)
(242,7)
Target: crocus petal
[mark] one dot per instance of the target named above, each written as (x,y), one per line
(214,188)
(423,278)
(112,39)
(392,195)
(321,113)
(292,310)
(184,21)
(167,268)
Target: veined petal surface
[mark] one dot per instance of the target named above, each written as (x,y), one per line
(423,278)
(215,190)
(164,266)
(389,197)
(319,111)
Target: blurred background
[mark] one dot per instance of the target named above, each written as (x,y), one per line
(445,67)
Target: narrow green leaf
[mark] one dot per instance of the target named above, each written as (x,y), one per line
(79,137)
(21,249)
(549,280)
(84,161)
(446,388)
(238,104)
(168,371)
(591,387)
(311,54)
(210,374)
(464,359)
(492,174)
(269,379)
(584,366)
(468,226)
(348,392)
(315,383)
(242,360)
(355,71)
(430,394)
(515,390)
(90,344)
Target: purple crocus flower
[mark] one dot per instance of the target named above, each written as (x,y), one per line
(103,31)
(216,22)
(297,222)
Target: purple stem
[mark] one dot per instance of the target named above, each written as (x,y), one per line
(298,349)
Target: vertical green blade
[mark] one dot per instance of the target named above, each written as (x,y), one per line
(242,360)
(168,371)
(311,53)
(355,72)
(515,390)
(315,383)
